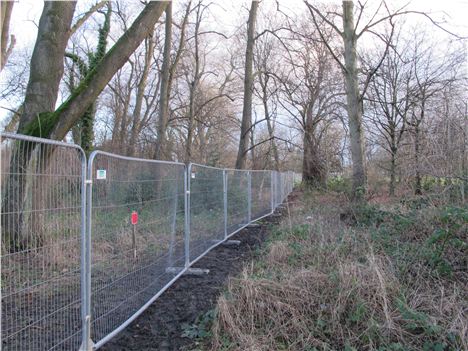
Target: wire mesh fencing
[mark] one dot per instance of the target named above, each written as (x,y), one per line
(261,194)
(88,245)
(42,214)
(206,209)
(237,200)
(137,226)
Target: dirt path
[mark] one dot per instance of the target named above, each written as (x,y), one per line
(160,326)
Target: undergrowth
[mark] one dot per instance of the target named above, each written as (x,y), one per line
(335,276)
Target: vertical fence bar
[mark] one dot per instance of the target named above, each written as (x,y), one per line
(272,191)
(188,174)
(225,175)
(249,195)
(87,344)
(83,253)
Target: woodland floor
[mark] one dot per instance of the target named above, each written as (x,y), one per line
(162,325)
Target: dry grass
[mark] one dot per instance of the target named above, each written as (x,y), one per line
(324,285)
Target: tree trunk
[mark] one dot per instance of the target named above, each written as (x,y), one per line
(354,102)
(313,172)
(271,133)
(417,148)
(7,42)
(391,188)
(248,89)
(164,91)
(136,125)
(188,145)
(47,63)
(41,95)
(87,120)
(252,151)
(193,90)
(464,163)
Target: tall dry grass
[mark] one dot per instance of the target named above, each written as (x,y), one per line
(321,284)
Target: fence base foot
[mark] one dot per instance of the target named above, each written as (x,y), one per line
(232,243)
(253,225)
(190,271)
(89,346)
(196,271)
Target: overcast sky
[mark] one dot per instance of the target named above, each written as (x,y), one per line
(26,14)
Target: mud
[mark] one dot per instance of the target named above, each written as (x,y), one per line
(160,327)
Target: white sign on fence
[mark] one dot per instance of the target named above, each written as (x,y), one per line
(101,174)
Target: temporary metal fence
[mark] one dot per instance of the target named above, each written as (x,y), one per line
(88,245)
(42,232)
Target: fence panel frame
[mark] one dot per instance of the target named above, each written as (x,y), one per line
(83,205)
(89,343)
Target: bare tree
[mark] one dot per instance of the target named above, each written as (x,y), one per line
(138,116)
(264,57)
(7,41)
(432,76)
(391,98)
(248,89)
(56,124)
(311,91)
(350,35)
(168,71)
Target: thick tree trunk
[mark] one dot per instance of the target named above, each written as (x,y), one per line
(164,91)
(41,95)
(87,120)
(354,103)
(313,171)
(248,90)
(87,130)
(47,63)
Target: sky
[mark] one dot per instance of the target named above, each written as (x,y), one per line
(26,14)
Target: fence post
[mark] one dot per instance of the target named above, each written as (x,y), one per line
(87,343)
(225,175)
(249,195)
(272,191)
(188,174)
(83,257)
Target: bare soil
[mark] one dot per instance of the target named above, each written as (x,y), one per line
(160,327)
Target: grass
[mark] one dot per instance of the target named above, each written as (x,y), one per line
(333,276)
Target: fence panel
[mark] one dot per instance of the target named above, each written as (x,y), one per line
(143,230)
(261,193)
(42,203)
(131,264)
(237,199)
(206,209)
(277,188)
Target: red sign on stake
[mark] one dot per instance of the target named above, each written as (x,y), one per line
(134,218)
